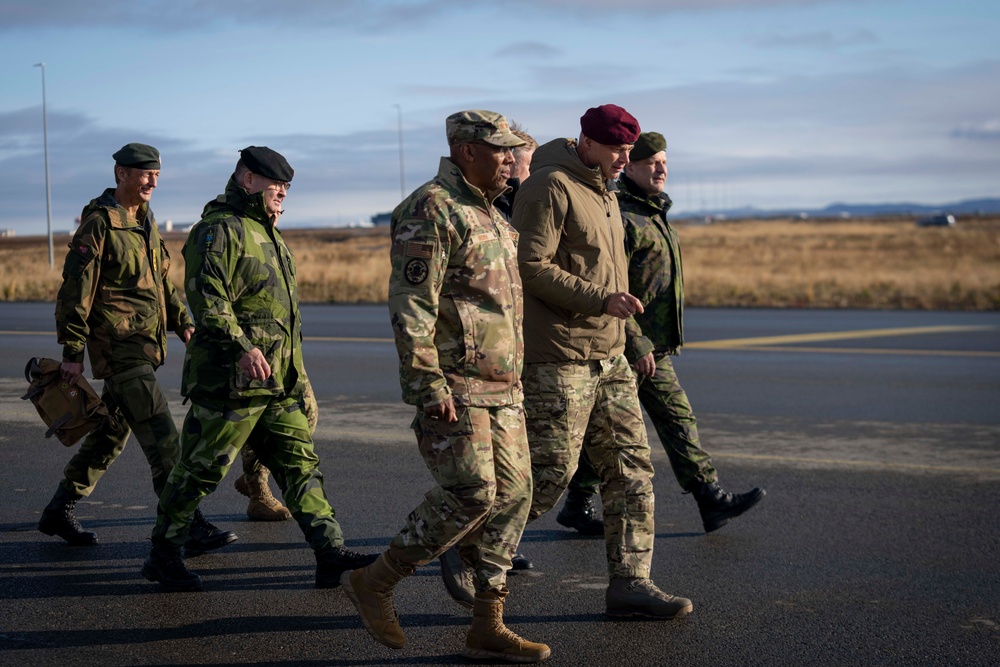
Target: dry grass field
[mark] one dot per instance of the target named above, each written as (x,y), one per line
(880,263)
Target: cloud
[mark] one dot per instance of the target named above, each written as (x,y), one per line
(823,40)
(528,50)
(988,130)
(198,15)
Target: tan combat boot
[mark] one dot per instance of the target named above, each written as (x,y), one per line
(263,506)
(370,589)
(490,638)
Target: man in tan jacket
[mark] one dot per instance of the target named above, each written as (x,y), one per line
(571,257)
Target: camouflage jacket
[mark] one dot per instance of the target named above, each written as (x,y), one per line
(116,299)
(455,296)
(240,284)
(655,273)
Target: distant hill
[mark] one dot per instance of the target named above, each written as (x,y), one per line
(969,206)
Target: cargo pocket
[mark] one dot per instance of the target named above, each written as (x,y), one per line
(138,394)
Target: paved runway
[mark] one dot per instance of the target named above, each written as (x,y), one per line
(876,434)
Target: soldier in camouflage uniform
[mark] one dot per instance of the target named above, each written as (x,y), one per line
(117,301)
(656,277)
(455,302)
(577,381)
(243,373)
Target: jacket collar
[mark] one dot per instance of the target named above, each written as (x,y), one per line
(246,204)
(660,202)
(451,177)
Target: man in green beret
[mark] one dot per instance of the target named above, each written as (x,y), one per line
(656,277)
(117,300)
(243,373)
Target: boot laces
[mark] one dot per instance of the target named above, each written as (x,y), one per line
(501,630)
(647,586)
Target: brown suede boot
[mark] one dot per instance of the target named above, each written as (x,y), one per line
(489,638)
(263,506)
(370,589)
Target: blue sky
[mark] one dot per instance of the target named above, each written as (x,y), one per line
(769,103)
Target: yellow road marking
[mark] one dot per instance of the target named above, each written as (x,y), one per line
(832,335)
(848,462)
(856,350)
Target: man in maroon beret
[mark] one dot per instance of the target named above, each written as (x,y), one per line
(571,257)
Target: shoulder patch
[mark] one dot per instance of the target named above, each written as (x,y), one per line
(418,249)
(416,271)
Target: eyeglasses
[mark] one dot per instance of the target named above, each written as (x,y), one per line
(279,185)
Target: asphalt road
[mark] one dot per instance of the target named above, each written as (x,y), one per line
(876,434)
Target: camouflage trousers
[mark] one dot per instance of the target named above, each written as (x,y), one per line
(483,493)
(668,407)
(137,403)
(570,403)
(252,467)
(212,437)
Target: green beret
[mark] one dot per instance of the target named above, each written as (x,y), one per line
(647,145)
(140,156)
(265,162)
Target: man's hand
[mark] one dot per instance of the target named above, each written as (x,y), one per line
(70,371)
(445,411)
(185,335)
(623,305)
(254,365)
(645,366)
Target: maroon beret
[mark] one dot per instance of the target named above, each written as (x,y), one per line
(610,124)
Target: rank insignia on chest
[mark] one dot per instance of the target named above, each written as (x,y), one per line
(416,271)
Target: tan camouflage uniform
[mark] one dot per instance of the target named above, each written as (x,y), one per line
(455,302)
(577,381)
(117,301)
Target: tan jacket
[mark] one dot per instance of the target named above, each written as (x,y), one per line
(571,255)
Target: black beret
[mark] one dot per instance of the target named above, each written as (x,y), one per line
(647,145)
(265,162)
(139,156)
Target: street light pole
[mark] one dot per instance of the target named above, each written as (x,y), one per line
(48,191)
(402,181)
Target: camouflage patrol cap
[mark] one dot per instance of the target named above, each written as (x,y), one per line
(480,125)
(140,156)
(647,145)
(268,163)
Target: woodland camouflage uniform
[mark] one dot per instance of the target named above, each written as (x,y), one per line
(117,301)
(240,283)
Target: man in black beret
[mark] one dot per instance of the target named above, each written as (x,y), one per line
(243,373)
(117,300)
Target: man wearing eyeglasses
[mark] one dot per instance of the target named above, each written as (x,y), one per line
(243,373)
(455,303)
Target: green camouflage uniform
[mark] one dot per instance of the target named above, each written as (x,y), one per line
(456,307)
(240,283)
(117,301)
(577,382)
(656,278)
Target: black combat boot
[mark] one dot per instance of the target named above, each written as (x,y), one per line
(333,562)
(580,512)
(521,562)
(717,507)
(203,536)
(58,519)
(165,566)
